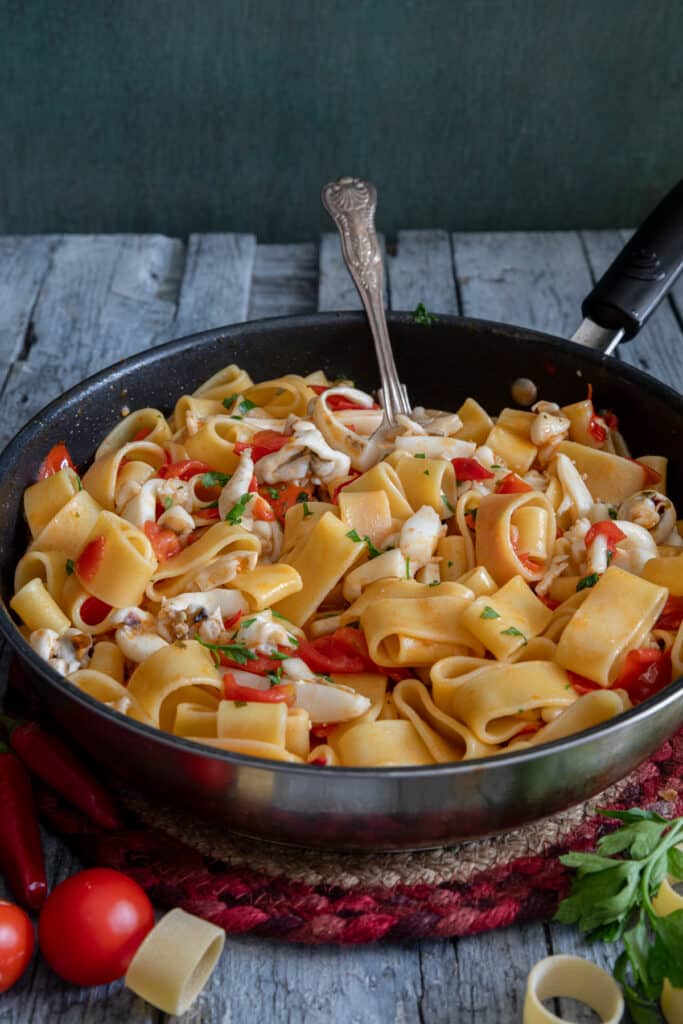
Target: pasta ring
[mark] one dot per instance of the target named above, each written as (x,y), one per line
(575,978)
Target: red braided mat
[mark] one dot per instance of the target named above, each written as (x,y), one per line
(318,897)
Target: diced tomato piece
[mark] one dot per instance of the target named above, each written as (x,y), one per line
(261,510)
(672,615)
(339,402)
(470,469)
(93,611)
(322,730)
(232,690)
(597,429)
(608,529)
(183,470)
(142,433)
(208,513)
(288,495)
(260,666)
(529,727)
(646,671)
(232,621)
(320,389)
(166,543)
(319,760)
(530,563)
(513,484)
(88,562)
(611,419)
(581,683)
(549,602)
(652,477)
(57,458)
(471,519)
(264,442)
(353,475)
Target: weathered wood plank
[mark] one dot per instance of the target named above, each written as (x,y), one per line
(534,279)
(422,271)
(105,297)
(284,280)
(659,346)
(24,263)
(336,289)
(216,282)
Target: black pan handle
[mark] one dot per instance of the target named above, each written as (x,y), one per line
(641,275)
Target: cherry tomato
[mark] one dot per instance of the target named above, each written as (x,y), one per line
(470,469)
(183,470)
(260,666)
(287,496)
(261,510)
(606,528)
(57,458)
(16,943)
(93,611)
(166,543)
(92,924)
(264,442)
(232,690)
(513,484)
(342,652)
(581,683)
(672,615)
(88,562)
(645,671)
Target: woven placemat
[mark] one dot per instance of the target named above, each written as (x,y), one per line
(319,897)
(313,896)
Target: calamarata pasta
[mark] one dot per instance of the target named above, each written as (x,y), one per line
(270,571)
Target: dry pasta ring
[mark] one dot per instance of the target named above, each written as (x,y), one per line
(574,978)
(671,1002)
(175,960)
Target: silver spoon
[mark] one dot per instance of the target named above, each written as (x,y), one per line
(351,202)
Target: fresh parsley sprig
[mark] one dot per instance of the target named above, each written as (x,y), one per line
(239,653)
(611,898)
(421,315)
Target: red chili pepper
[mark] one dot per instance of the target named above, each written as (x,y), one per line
(183,470)
(529,727)
(93,611)
(264,442)
(672,614)
(49,758)
(232,690)
(513,484)
(470,469)
(88,562)
(606,528)
(57,458)
(354,474)
(343,652)
(21,854)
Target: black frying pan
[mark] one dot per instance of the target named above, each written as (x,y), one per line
(387,808)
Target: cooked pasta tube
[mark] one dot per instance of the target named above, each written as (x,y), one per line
(228,381)
(671,1002)
(494,698)
(372,744)
(429,482)
(267,584)
(321,562)
(588,710)
(107,658)
(451,550)
(124,563)
(42,501)
(101,479)
(49,566)
(498,535)
(383,477)
(478,580)
(511,449)
(476,422)
(221,541)
(665,572)
(250,720)
(402,631)
(175,960)
(195,720)
(445,737)
(300,518)
(518,421)
(37,608)
(110,692)
(574,978)
(298,732)
(214,444)
(508,619)
(69,528)
(366,512)
(608,477)
(382,588)
(283,396)
(74,597)
(615,617)
(143,424)
(177,665)
(248,747)
(388,565)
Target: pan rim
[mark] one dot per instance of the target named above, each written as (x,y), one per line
(551,343)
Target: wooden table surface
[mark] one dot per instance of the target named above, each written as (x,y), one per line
(70,305)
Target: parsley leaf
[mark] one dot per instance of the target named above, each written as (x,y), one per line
(407,561)
(278,615)
(246,405)
(303,496)
(434,583)
(354,535)
(420,455)
(235,514)
(307,511)
(240,703)
(215,479)
(246,623)
(273,493)
(167,502)
(447,503)
(513,631)
(489,613)
(421,315)
(230,400)
(78,481)
(372,550)
(587,581)
(238,653)
(70,566)
(275,678)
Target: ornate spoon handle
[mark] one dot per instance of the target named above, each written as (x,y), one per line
(351,202)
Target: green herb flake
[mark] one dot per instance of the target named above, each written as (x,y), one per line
(293,640)
(449,564)
(307,511)
(167,502)
(435,583)
(278,656)
(237,417)
(354,535)
(447,503)
(246,405)
(407,561)
(235,514)
(275,678)
(215,479)
(303,496)
(513,631)
(69,566)
(587,581)
(420,455)
(248,622)
(240,703)
(278,615)
(426,472)
(78,482)
(421,315)
(230,400)
(372,550)
(273,493)
(239,653)
(489,613)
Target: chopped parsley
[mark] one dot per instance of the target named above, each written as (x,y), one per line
(307,511)
(435,583)
(78,481)
(69,566)
(421,315)
(449,564)
(240,703)
(420,455)
(489,613)
(293,640)
(355,536)
(167,502)
(513,631)
(278,656)
(215,479)
(407,568)
(326,678)
(447,503)
(248,622)
(278,615)
(246,405)
(237,417)
(495,467)
(273,493)
(235,514)
(588,581)
(230,400)
(426,472)
(275,678)
(238,653)
(302,497)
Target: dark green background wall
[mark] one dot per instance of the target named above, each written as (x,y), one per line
(161,115)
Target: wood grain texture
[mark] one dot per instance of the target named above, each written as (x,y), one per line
(284,280)
(104,298)
(422,271)
(336,289)
(216,282)
(24,263)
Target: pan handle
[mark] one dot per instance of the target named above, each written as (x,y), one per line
(643,272)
